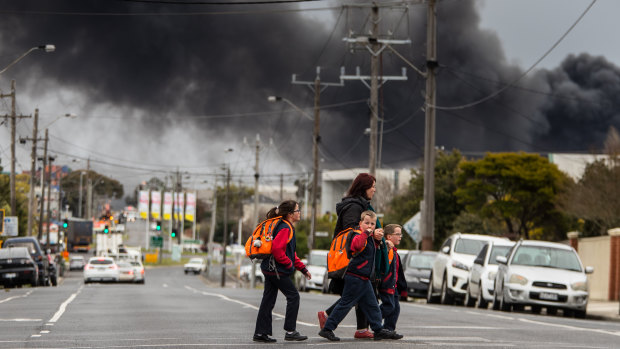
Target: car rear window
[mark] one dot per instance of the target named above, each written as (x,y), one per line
(421,261)
(469,246)
(136,264)
(101,261)
(28,245)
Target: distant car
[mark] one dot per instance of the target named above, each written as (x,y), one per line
(246,270)
(542,274)
(101,269)
(17,267)
(481,281)
(126,270)
(138,271)
(34,248)
(448,280)
(417,267)
(195,265)
(76,263)
(317,266)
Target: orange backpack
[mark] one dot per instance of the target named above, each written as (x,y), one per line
(340,253)
(258,245)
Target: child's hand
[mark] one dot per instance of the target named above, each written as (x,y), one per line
(390,244)
(378,235)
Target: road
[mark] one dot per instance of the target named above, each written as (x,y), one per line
(174,310)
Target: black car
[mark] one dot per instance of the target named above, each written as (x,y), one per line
(36,253)
(17,267)
(417,267)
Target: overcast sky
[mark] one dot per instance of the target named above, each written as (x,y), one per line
(177,85)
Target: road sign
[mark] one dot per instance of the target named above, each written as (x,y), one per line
(157,241)
(189,241)
(412,227)
(10,226)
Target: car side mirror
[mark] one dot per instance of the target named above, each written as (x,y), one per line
(501,259)
(446,249)
(589,270)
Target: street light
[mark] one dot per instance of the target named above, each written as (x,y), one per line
(46,48)
(274,99)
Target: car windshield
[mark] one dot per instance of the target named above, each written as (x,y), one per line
(547,257)
(421,261)
(469,246)
(195,261)
(318,259)
(498,251)
(101,261)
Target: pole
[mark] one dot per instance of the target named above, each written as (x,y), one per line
(212,232)
(80,195)
(428,207)
(49,198)
(256,196)
(12,177)
(223,283)
(41,210)
(33,168)
(281,187)
(315,158)
(374,92)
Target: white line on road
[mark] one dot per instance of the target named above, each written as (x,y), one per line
(21,320)
(14,297)
(63,306)
(574,328)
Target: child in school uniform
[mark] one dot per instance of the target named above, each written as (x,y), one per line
(393,285)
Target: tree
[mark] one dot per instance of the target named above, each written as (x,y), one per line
(103,186)
(22,188)
(517,190)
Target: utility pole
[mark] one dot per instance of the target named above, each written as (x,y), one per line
(428,206)
(256,197)
(13,118)
(223,283)
(281,187)
(375,46)
(33,168)
(212,233)
(41,210)
(50,159)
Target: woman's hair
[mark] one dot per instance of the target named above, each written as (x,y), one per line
(283,209)
(390,229)
(361,183)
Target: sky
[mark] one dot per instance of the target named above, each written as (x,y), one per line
(160,87)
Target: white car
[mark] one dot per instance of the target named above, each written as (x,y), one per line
(246,270)
(138,272)
(448,280)
(317,266)
(195,265)
(481,282)
(101,269)
(126,270)
(542,274)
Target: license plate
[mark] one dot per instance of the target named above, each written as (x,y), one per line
(548,296)
(10,275)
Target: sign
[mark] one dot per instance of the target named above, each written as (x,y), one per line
(155,204)
(157,241)
(143,204)
(412,227)
(321,234)
(197,242)
(10,226)
(167,206)
(176,253)
(190,207)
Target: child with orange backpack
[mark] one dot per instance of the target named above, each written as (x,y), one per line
(358,288)
(393,285)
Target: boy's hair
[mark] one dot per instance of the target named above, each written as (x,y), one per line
(391,229)
(368,213)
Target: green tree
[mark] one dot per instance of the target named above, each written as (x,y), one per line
(515,189)
(103,186)
(22,189)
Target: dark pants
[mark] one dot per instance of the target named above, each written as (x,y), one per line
(360,292)
(337,286)
(390,310)
(270,293)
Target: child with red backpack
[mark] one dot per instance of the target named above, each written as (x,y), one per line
(358,288)
(278,269)
(393,285)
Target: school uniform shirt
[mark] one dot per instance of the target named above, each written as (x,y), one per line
(362,265)
(283,252)
(394,280)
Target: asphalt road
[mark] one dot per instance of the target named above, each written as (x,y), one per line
(173,310)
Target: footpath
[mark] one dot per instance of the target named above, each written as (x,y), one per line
(604,310)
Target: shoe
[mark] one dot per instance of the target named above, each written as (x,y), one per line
(383,334)
(329,335)
(363,334)
(263,338)
(295,336)
(396,335)
(322,319)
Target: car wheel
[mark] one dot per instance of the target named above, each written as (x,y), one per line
(482,303)
(429,292)
(495,299)
(185,272)
(552,310)
(503,306)
(469,300)
(446,297)
(536,309)
(54,280)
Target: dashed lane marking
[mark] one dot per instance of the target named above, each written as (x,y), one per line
(15,297)
(63,306)
(20,320)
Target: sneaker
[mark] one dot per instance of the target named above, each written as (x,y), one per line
(263,338)
(396,335)
(322,318)
(329,335)
(363,334)
(295,336)
(383,334)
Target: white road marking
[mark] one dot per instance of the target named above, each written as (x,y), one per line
(572,328)
(21,320)
(63,306)
(45,331)
(463,327)
(36,335)
(14,297)
(165,285)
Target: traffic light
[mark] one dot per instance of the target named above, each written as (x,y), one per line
(65,223)
(173,233)
(106,229)
(158,226)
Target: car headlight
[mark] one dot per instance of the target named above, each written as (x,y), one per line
(460,265)
(517,279)
(491,275)
(579,286)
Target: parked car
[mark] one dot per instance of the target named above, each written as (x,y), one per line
(481,282)
(246,270)
(450,272)
(101,269)
(417,267)
(17,267)
(138,271)
(76,263)
(542,274)
(34,248)
(126,271)
(195,265)
(317,266)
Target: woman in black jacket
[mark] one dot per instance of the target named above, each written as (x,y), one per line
(349,211)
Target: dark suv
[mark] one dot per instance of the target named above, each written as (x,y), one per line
(37,255)
(17,267)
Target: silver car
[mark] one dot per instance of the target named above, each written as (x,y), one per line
(542,274)
(481,282)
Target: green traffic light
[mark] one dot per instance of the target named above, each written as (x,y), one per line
(64,225)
